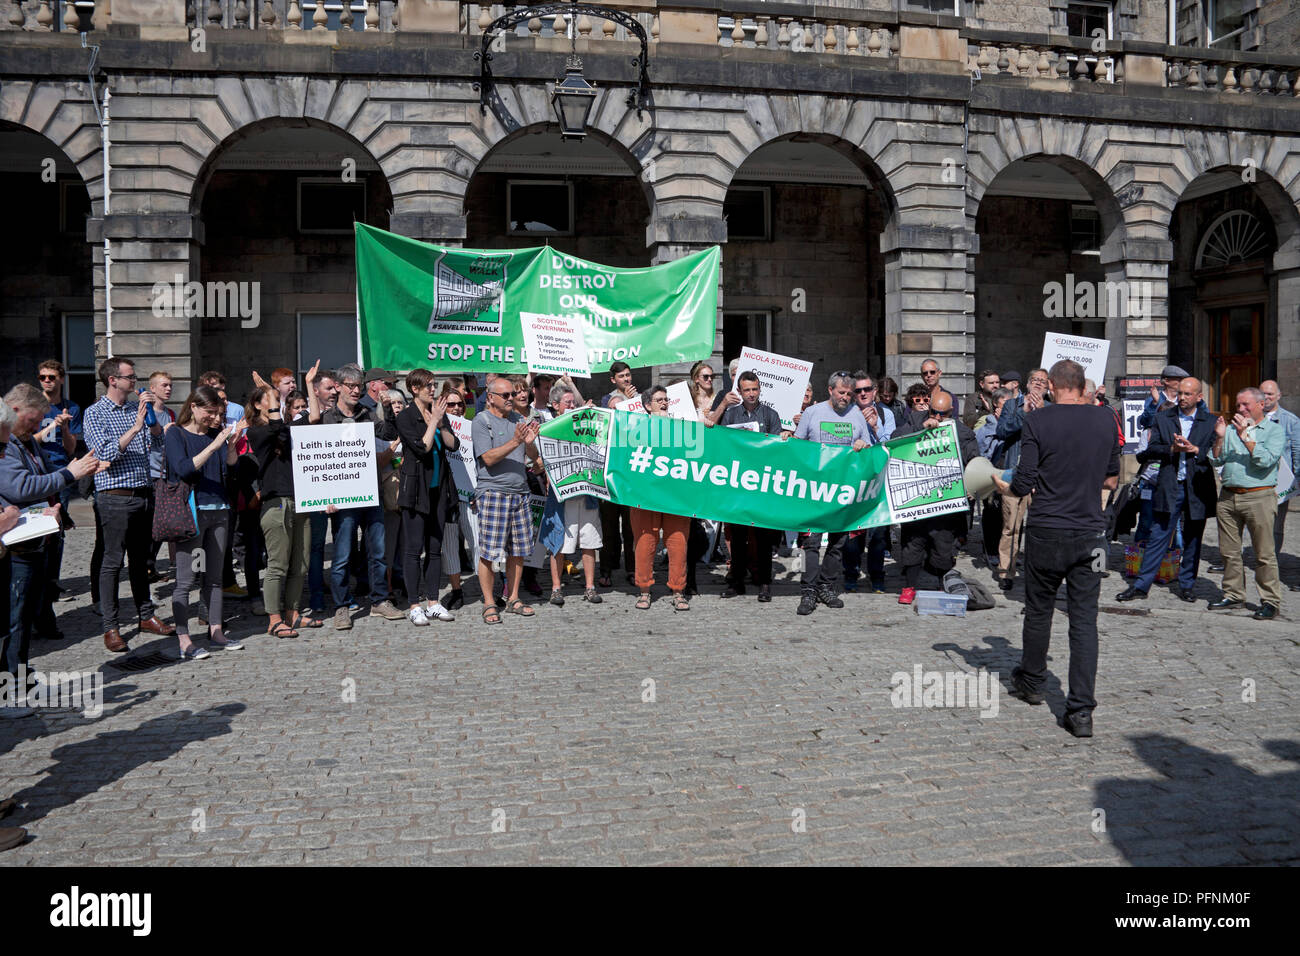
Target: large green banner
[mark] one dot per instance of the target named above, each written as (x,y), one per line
(683,467)
(449,309)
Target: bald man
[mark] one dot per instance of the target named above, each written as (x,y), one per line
(931,543)
(1291,427)
(1181,440)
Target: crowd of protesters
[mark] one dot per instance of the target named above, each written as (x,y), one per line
(213,479)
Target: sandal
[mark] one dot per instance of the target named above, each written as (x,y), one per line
(680,603)
(519,607)
(281,629)
(491,615)
(605,581)
(592,596)
(643,602)
(303,621)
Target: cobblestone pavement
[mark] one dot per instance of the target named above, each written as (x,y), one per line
(770,739)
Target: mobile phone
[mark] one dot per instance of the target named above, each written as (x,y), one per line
(149,419)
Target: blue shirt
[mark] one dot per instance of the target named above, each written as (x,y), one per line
(55,453)
(1185,423)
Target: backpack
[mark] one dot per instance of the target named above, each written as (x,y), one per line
(978,597)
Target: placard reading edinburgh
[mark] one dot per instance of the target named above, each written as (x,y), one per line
(448,309)
(679,466)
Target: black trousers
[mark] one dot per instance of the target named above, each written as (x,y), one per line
(930,543)
(128,535)
(991,523)
(423,533)
(1077,558)
(762,538)
(823,574)
(616,535)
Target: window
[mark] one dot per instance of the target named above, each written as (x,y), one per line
(741,329)
(334,10)
(1224,20)
(79,357)
(948,7)
(329,205)
(1085,230)
(1083,17)
(74,207)
(748,212)
(539,206)
(328,336)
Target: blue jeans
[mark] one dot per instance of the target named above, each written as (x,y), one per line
(26,584)
(875,542)
(1164,527)
(344,524)
(316,562)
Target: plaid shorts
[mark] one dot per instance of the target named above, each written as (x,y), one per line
(505,525)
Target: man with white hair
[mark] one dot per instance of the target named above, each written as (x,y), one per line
(1291,428)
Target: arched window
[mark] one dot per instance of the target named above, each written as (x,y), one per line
(1233,238)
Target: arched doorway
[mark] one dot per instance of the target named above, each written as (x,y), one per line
(46,282)
(278,206)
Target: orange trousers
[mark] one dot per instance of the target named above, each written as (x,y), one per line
(645,528)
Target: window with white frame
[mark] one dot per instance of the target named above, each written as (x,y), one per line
(1225,20)
(333,11)
(328,336)
(1084,17)
(79,357)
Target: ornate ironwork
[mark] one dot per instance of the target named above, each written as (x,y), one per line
(637,99)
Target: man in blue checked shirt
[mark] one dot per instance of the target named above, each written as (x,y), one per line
(115,431)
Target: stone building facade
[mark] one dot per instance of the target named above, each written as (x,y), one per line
(888,183)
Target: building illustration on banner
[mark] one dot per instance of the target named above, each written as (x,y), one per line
(917,482)
(461,304)
(573,461)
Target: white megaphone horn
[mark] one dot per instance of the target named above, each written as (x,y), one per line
(979,478)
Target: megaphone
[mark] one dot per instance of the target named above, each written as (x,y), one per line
(979,478)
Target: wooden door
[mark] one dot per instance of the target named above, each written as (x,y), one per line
(1234,352)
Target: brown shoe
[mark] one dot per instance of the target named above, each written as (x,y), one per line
(155,626)
(113,641)
(11,837)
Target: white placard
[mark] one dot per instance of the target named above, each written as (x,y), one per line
(1090,353)
(782,379)
(1286,488)
(631,405)
(745,426)
(680,403)
(334,465)
(555,344)
(1132,434)
(32,523)
(539,557)
(464,470)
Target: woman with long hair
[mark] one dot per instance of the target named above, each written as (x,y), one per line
(200,452)
(701,386)
(426,496)
(646,526)
(287,533)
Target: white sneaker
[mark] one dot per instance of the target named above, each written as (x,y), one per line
(436,610)
(416,616)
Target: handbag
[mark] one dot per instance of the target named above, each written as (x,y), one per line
(172,518)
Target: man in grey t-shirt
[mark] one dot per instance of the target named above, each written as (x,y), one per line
(836,421)
(505,521)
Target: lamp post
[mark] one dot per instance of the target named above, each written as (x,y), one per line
(573,95)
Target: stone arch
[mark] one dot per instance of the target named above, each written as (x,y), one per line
(62,112)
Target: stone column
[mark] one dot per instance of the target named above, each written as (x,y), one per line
(442,229)
(150,254)
(1286,297)
(929,304)
(1139,343)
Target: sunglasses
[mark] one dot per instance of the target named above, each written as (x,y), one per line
(48,378)
(865,391)
(706,375)
(932,371)
(455,404)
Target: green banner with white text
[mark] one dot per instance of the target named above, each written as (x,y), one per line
(682,467)
(451,309)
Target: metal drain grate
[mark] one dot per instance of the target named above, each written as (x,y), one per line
(142,662)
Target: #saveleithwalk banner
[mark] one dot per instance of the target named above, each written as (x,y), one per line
(450,309)
(682,467)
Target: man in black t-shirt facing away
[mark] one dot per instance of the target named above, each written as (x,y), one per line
(1069,452)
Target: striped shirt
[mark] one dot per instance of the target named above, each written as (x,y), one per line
(103,425)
